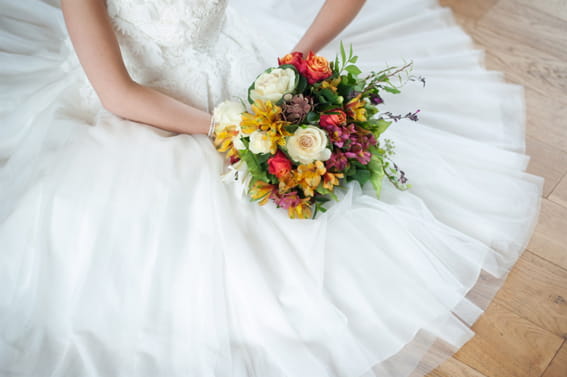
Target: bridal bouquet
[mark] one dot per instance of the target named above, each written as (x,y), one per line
(312,126)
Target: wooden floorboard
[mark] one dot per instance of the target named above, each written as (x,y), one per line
(523,332)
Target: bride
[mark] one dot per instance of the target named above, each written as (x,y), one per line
(122,253)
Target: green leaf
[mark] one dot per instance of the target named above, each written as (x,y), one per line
(321,208)
(321,198)
(327,96)
(262,158)
(291,127)
(301,84)
(353,70)
(376,174)
(343,53)
(354,59)
(325,195)
(312,117)
(381,126)
(253,165)
(362,176)
(250,88)
(391,89)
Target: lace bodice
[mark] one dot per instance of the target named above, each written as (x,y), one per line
(199,51)
(169,23)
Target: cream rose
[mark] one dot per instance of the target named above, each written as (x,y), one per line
(271,86)
(259,142)
(308,144)
(228,113)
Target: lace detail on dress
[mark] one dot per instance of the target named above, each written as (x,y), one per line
(169,23)
(198,51)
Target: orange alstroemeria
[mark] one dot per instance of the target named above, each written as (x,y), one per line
(288,181)
(308,176)
(330,180)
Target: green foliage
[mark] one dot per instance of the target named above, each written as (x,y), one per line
(291,127)
(346,62)
(312,117)
(301,84)
(353,70)
(357,172)
(376,169)
(328,194)
(378,126)
(382,80)
(254,164)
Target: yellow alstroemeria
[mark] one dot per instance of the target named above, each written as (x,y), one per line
(330,180)
(300,211)
(308,176)
(266,117)
(355,109)
(331,84)
(223,141)
(261,191)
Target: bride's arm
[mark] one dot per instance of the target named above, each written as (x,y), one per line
(333,17)
(97,48)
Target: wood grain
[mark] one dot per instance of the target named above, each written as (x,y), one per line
(454,368)
(537,290)
(558,367)
(546,161)
(522,332)
(550,237)
(508,345)
(559,194)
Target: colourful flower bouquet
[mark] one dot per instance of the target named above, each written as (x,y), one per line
(312,126)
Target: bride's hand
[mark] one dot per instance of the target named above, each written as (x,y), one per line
(333,17)
(98,51)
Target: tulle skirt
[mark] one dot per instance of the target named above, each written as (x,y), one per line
(123,253)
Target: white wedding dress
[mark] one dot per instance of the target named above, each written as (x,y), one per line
(122,253)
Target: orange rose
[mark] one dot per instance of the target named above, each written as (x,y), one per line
(317,68)
(335,117)
(295,59)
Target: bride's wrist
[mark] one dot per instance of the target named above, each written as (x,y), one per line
(211,131)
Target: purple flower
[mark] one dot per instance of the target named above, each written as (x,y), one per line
(376,99)
(359,153)
(338,135)
(337,162)
(287,200)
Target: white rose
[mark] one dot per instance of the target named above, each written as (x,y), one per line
(259,142)
(273,85)
(308,144)
(228,113)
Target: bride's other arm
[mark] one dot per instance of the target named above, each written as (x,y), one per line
(98,51)
(333,17)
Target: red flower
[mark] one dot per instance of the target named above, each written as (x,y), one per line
(336,117)
(279,165)
(317,68)
(295,59)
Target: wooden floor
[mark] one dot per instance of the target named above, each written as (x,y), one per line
(523,333)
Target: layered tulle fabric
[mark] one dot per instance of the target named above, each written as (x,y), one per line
(122,253)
